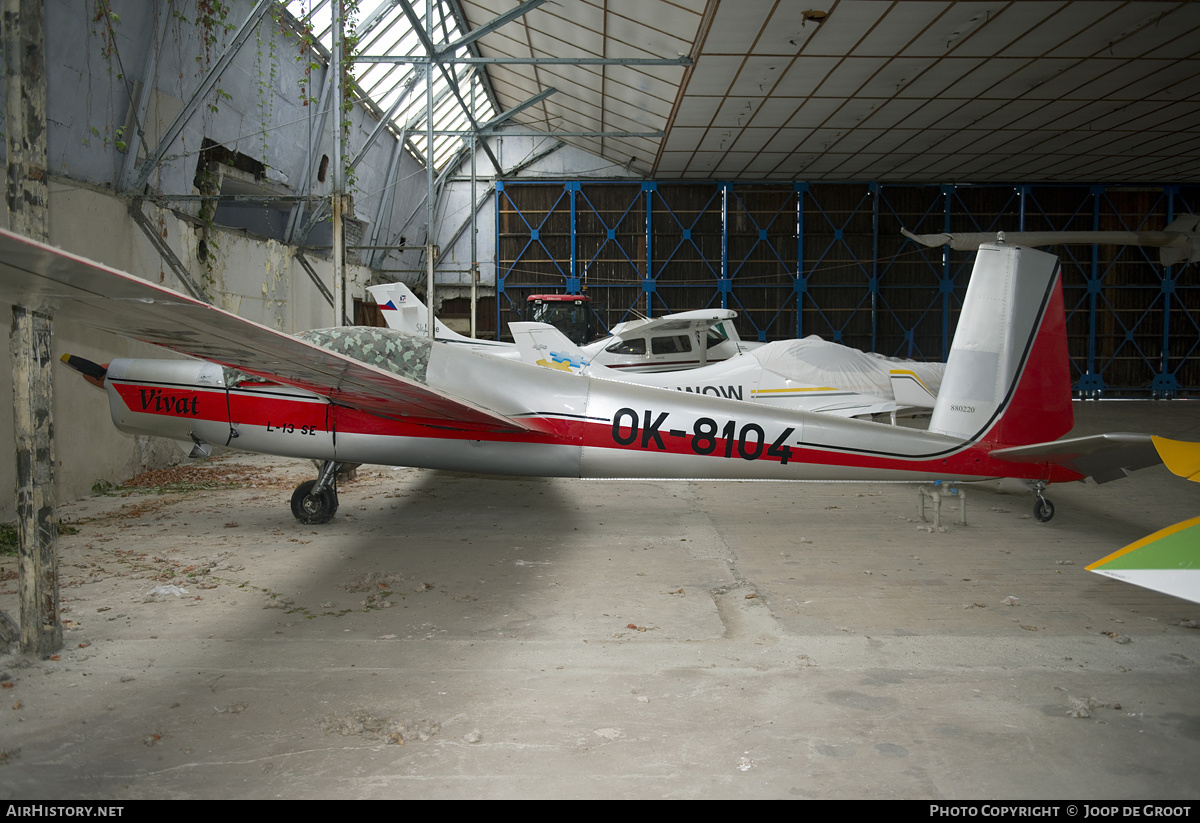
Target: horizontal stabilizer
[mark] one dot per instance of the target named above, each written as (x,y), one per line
(544,345)
(1167,561)
(910,390)
(1181,457)
(1103,457)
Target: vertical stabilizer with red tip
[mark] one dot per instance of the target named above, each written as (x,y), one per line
(1008,377)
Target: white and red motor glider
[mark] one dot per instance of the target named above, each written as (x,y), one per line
(370,395)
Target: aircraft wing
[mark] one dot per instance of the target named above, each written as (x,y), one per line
(46,279)
(1177,243)
(1103,457)
(1167,561)
(686,321)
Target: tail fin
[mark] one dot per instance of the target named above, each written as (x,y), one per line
(910,390)
(1008,377)
(543,345)
(404,311)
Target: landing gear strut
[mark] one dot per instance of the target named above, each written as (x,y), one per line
(316,501)
(1043,509)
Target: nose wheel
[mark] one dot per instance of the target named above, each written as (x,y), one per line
(316,501)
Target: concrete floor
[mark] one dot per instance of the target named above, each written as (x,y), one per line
(554,638)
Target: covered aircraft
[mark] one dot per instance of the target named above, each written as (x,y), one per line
(808,374)
(370,395)
(700,349)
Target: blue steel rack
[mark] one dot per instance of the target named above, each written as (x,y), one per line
(828,258)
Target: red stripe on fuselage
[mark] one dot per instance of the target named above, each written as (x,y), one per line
(971,460)
(264,409)
(167,400)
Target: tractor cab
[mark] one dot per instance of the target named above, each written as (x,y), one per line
(569,313)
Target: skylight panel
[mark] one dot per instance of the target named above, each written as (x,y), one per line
(387,31)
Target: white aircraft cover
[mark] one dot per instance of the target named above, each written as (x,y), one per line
(822,363)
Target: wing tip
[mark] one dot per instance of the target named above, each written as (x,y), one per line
(1181,457)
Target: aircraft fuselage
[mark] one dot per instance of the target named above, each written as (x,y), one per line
(576,427)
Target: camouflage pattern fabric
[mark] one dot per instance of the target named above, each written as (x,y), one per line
(386,349)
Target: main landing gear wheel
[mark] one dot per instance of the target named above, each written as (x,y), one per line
(1043,510)
(310,508)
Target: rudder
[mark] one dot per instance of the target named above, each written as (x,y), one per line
(1008,379)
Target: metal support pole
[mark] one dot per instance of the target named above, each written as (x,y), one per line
(294,234)
(386,196)
(724,243)
(429,201)
(474,230)
(798,286)
(337,198)
(874,278)
(947,283)
(339,264)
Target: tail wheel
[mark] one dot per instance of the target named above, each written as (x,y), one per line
(312,509)
(1043,510)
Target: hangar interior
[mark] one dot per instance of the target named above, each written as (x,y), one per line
(659,157)
(276,158)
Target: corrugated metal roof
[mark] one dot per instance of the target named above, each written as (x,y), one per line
(892,90)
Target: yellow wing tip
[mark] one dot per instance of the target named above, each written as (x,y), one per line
(1180,456)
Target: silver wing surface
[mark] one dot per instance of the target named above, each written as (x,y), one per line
(46,279)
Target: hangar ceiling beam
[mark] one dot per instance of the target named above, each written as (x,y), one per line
(386,120)
(487,28)
(530,61)
(374,19)
(507,133)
